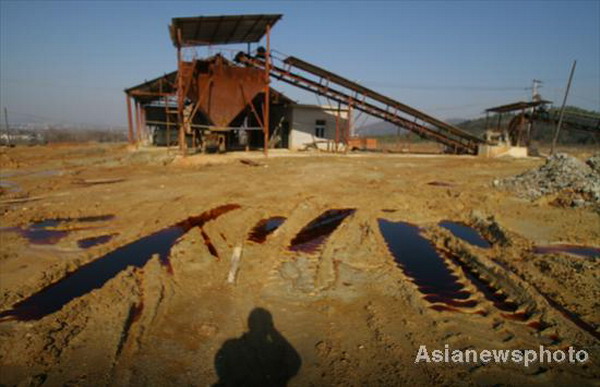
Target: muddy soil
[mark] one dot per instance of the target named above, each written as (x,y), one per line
(129,277)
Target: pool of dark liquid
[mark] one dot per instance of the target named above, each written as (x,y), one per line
(90,242)
(208,243)
(420,261)
(135,312)
(45,232)
(315,233)
(10,186)
(39,235)
(466,233)
(572,316)
(440,184)
(584,251)
(55,222)
(493,294)
(96,273)
(264,228)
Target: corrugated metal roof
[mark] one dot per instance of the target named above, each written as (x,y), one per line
(226,29)
(516,106)
(154,89)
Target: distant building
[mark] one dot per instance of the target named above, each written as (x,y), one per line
(22,137)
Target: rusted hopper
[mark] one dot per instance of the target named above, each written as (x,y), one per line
(222,90)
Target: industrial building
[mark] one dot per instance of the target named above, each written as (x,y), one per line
(216,103)
(294,126)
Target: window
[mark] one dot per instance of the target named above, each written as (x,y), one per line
(320,128)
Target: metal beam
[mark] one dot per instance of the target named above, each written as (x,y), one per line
(266,116)
(451,140)
(129,118)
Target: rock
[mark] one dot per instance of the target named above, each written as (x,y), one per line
(594,162)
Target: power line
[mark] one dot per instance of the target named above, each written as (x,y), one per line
(449,87)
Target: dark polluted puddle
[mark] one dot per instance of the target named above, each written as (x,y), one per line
(10,186)
(94,218)
(90,242)
(45,232)
(517,316)
(497,297)
(538,325)
(208,243)
(264,228)
(135,312)
(315,233)
(491,293)
(575,319)
(584,251)
(445,308)
(95,274)
(420,261)
(466,233)
(440,184)
(39,236)
(55,222)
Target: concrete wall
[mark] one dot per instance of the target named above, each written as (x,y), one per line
(501,151)
(303,124)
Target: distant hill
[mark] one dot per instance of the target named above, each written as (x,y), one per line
(377,129)
(455,121)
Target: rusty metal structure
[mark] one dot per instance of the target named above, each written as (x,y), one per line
(521,126)
(220,90)
(212,116)
(206,98)
(322,82)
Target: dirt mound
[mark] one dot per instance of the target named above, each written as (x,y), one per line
(574,182)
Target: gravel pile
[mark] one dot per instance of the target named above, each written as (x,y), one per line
(594,162)
(574,183)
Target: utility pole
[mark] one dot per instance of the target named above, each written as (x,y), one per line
(562,109)
(7,128)
(535,97)
(534,90)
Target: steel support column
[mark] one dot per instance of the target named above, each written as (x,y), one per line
(180,96)
(129,118)
(137,123)
(144,127)
(348,127)
(337,128)
(266,109)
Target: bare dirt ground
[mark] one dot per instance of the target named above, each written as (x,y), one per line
(343,315)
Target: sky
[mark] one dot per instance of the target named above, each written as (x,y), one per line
(68,62)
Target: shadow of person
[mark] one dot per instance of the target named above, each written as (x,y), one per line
(260,357)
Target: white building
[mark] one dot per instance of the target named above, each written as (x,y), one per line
(313,125)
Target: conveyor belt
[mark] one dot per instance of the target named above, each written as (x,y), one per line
(366,100)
